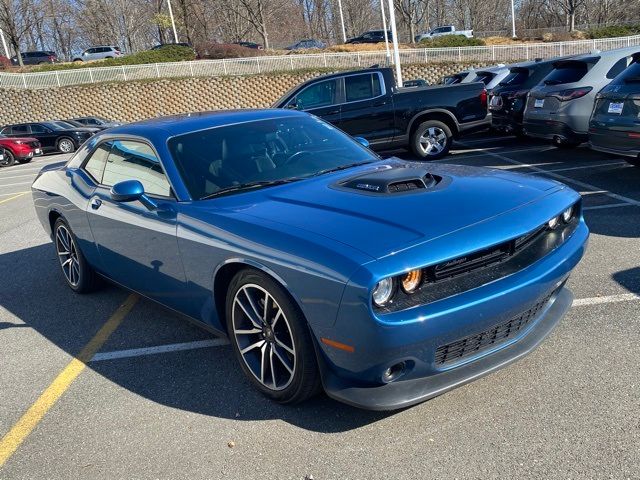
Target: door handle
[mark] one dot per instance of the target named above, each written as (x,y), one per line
(95,203)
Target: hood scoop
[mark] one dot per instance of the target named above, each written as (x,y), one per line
(392,180)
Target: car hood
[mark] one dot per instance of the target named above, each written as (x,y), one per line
(379,224)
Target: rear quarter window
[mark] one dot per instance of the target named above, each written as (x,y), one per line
(619,67)
(631,75)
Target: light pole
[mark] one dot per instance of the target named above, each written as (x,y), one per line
(513,20)
(344,33)
(386,36)
(4,44)
(173,22)
(394,36)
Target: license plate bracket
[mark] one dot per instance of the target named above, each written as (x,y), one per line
(615,107)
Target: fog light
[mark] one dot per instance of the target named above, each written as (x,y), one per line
(567,214)
(411,281)
(553,223)
(393,372)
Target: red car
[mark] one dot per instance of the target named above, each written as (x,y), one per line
(21,149)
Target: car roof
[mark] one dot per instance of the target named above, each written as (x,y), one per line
(594,55)
(170,126)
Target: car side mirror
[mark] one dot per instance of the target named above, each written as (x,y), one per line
(362,141)
(130,191)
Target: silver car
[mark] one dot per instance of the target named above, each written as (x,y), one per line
(559,108)
(99,53)
(490,76)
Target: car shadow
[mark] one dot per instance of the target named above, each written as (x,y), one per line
(207,381)
(629,279)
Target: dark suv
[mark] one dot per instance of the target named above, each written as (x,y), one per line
(372,36)
(508,99)
(35,58)
(53,136)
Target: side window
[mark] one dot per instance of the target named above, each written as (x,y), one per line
(362,87)
(130,160)
(20,129)
(92,121)
(96,163)
(619,67)
(321,94)
(35,128)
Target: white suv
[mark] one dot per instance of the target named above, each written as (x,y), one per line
(99,53)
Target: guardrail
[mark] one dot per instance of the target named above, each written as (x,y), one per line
(283,63)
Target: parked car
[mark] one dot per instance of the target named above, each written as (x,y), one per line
(614,127)
(52,137)
(508,99)
(559,108)
(20,149)
(255,46)
(306,44)
(489,76)
(164,45)
(35,58)
(99,53)
(95,122)
(372,36)
(71,124)
(368,103)
(454,78)
(442,31)
(302,246)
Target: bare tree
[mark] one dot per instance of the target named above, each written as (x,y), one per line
(17,17)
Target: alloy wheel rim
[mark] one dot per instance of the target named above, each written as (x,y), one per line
(433,141)
(68,255)
(263,335)
(66,146)
(7,159)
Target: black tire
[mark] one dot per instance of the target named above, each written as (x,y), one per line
(67,143)
(25,160)
(438,132)
(8,158)
(565,144)
(86,279)
(298,383)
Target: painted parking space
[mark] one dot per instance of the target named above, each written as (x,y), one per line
(163,399)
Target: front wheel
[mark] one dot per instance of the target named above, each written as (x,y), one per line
(66,145)
(79,275)
(270,338)
(431,140)
(25,160)
(7,158)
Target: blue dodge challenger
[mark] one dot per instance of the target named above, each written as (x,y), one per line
(383,282)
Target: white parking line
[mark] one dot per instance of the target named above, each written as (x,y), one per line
(9,194)
(173,347)
(564,178)
(582,167)
(218,342)
(14,184)
(32,175)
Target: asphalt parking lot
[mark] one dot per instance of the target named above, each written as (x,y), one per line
(163,399)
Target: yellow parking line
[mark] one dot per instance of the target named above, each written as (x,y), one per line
(21,430)
(12,198)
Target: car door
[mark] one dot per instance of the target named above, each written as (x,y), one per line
(45,135)
(367,110)
(321,99)
(137,246)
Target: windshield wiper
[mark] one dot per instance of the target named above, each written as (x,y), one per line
(249,186)
(341,167)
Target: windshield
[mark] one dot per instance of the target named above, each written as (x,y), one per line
(567,72)
(54,125)
(517,76)
(265,151)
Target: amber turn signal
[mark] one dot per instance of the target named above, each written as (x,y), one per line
(411,281)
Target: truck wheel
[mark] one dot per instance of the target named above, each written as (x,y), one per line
(431,140)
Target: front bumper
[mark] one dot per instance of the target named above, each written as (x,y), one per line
(551,130)
(410,392)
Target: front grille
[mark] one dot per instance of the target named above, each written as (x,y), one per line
(492,337)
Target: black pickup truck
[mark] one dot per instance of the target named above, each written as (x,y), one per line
(369,104)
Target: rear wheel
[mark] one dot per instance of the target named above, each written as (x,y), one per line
(78,274)
(7,158)
(431,140)
(270,338)
(66,145)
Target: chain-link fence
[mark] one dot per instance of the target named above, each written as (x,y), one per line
(284,63)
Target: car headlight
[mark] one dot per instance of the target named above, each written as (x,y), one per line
(411,281)
(553,223)
(383,291)
(567,214)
